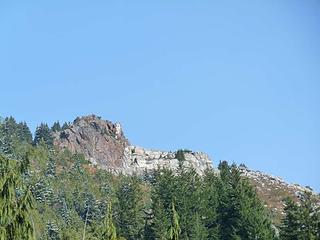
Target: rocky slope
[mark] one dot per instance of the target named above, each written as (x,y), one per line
(272,190)
(103,143)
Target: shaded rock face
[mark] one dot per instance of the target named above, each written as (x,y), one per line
(104,145)
(102,142)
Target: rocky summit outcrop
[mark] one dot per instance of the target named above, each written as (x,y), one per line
(101,142)
(105,146)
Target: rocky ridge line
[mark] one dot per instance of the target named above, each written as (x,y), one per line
(105,146)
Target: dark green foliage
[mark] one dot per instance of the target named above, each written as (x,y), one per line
(180,156)
(109,229)
(130,218)
(52,231)
(73,199)
(12,136)
(51,169)
(290,228)
(65,126)
(56,127)
(16,202)
(43,133)
(240,214)
(174,230)
(301,221)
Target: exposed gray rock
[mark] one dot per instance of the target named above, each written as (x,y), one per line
(139,160)
(104,145)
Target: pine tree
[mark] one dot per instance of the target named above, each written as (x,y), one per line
(301,221)
(290,228)
(110,232)
(210,204)
(174,230)
(160,221)
(43,191)
(51,168)
(309,213)
(130,209)
(43,133)
(65,126)
(56,127)
(8,137)
(24,134)
(52,231)
(198,230)
(241,214)
(15,203)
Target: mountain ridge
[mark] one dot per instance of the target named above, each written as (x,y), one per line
(104,144)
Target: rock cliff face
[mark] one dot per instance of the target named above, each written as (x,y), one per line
(104,145)
(102,142)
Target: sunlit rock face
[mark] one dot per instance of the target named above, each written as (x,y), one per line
(139,160)
(104,145)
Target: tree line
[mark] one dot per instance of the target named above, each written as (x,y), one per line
(46,193)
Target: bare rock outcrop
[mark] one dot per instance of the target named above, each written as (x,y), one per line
(101,142)
(139,160)
(105,146)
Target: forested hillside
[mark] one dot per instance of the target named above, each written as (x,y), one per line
(49,193)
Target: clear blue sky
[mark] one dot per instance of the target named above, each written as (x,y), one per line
(239,80)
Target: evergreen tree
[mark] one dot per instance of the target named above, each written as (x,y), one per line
(174,230)
(52,231)
(310,216)
(51,168)
(23,132)
(210,193)
(290,228)
(65,126)
(43,191)
(15,203)
(130,209)
(181,158)
(109,232)
(56,127)
(241,214)
(43,133)
(160,221)
(301,221)
(8,137)
(198,230)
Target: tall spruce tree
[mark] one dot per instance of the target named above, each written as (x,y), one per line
(241,214)
(56,127)
(130,209)
(210,203)
(24,134)
(44,133)
(160,221)
(109,229)
(301,221)
(174,230)
(290,228)
(15,202)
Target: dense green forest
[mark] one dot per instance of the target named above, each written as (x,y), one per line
(50,194)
